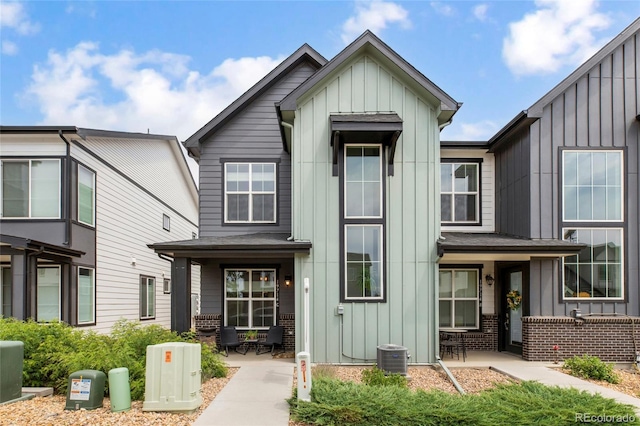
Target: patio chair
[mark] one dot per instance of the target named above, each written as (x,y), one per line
(229,339)
(274,337)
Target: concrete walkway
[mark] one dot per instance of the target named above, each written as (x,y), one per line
(257,392)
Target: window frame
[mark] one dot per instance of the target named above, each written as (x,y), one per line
(93,198)
(249,271)
(592,264)
(30,185)
(363,221)
(166,222)
(143,290)
(477,162)
(59,268)
(166,285)
(3,285)
(250,192)
(478,299)
(93,296)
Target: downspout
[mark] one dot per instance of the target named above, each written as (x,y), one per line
(67,207)
(290,127)
(448,373)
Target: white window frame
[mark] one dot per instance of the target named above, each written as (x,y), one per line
(622,196)
(166,285)
(453,193)
(146,278)
(166,222)
(453,297)
(251,299)
(592,263)
(38,291)
(93,198)
(30,208)
(93,296)
(251,193)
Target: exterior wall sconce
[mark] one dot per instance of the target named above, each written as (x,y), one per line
(489,280)
(287,280)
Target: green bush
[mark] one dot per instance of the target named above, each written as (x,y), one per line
(53,351)
(590,367)
(377,377)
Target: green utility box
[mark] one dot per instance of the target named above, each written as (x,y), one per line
(11,363)
(86,390)
(119,389)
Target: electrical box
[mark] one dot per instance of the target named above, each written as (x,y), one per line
(11,364)
(173,377)
(85,390)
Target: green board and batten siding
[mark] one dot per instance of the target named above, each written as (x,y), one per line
(409,315)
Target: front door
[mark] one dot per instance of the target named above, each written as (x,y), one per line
(511,297)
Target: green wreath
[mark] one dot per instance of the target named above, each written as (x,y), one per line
(514,299)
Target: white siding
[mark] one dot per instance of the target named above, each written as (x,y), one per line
(487,189)
(32,145)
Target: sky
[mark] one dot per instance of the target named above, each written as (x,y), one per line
(168,67)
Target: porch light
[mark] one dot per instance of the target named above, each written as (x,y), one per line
(489,280)
(287,280)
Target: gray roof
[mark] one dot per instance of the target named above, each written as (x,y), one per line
(460,242)
(368,40)
(257,244)
(21,243)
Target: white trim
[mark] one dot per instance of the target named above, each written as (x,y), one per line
(380,181)
(453,194)
(250,193)
(153,293)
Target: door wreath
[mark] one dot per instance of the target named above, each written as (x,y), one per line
(514,299)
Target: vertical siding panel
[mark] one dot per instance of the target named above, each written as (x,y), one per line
(384,90)
(594,107)
(358,86)
(570,117)
(372,85)
(559,116)
(397,105)
(345,90)
(618,98)
(535,178)
(582,111)
(546,175)
(606,104)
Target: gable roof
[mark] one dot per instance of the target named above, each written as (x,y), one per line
(527,117)
(368,42)
(304,53)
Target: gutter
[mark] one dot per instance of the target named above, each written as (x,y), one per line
(448,373)
(67,207)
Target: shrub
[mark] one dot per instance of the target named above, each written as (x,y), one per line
(377,377)
(590,367)
(53,351)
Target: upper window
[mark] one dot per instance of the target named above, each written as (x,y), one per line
(363,231)
(250,297)
(459,298)
(86,196)
(592,186)
(250,192)
(166,223)
(31,189)
(595,272)
(459,193)
(147,297)
(86,296)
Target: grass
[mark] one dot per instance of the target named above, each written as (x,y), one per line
(528,403)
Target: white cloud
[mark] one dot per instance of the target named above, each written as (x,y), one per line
(480,12)
(9,48)
(134,92)
(442,8)
(375,16)
(13,15)
(559,33)
(481,130)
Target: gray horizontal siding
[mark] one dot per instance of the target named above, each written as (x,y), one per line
(252,134)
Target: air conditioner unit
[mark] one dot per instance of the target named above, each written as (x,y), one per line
(393,359)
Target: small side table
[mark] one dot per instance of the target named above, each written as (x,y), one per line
(250,342)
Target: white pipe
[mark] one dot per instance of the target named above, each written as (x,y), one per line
(306,315)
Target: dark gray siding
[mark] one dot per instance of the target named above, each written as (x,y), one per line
(252,134)
(598,110)
(513,181)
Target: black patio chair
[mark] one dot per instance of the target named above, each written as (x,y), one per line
(274,337)
(229,339)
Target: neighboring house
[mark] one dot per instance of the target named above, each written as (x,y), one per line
(79,207)
(333,171)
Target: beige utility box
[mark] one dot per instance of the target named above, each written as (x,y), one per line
(173,377)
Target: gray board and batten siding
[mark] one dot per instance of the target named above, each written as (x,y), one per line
(596,107)
(253,134)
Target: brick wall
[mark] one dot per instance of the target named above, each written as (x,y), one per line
(210,321)
(487,338)
(609,338)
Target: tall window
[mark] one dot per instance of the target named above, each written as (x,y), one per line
(459,298)
(31,189)
(363,233)
(5,291)
(250,297)
(459,193)
(86,296)
(48,293)
(147,297)
(592,212)
(86,196)
(250,192)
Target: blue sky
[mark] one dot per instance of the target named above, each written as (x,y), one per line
(169,67)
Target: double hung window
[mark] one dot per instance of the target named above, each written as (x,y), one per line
(48,293)
(86,296)
(250,298)
(147,297)
(459,193)
(459,298)
(31,189)
(86,196)
(250,192)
